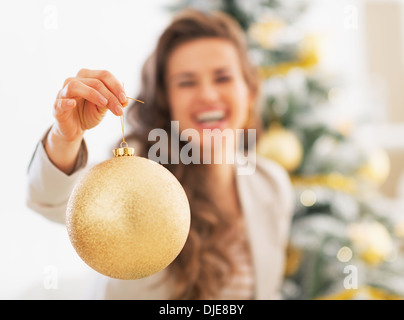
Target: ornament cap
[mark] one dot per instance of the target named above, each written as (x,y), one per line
(124,152)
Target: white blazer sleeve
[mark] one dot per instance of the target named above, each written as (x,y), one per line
(48,188)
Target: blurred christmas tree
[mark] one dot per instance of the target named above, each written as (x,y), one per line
(346,238)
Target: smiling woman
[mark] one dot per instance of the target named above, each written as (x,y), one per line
(199,76)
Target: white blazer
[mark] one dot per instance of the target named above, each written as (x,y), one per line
(267,202)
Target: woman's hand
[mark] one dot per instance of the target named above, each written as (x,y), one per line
(83,101)
(81,105)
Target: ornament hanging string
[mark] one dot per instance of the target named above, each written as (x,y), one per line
(123,120)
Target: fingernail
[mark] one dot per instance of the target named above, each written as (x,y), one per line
(70,103)
(122,97)
(118,110)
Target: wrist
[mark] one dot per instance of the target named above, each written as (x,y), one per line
(56,137)
(62,152)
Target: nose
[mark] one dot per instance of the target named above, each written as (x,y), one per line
(208,92)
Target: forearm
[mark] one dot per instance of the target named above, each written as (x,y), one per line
(48,188)
(63,154)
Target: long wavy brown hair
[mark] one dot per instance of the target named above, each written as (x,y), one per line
(205,264)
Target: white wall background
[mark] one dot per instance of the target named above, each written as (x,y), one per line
(42,43)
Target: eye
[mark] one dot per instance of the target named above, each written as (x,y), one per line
(183,84)
(223,79)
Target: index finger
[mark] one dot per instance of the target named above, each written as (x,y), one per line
(109,80)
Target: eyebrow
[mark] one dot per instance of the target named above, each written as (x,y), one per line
(182,75)
(217,71)
(222,70)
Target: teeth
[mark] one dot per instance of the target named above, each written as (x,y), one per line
(215,115)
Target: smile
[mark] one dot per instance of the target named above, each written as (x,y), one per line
(211,117)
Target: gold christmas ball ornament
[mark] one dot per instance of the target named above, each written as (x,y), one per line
(377,167)
(282,146)
(128,217)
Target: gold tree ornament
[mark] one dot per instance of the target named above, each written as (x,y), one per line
(282,146)
(377,167)
(128,217)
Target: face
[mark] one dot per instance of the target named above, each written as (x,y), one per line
(206,86)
